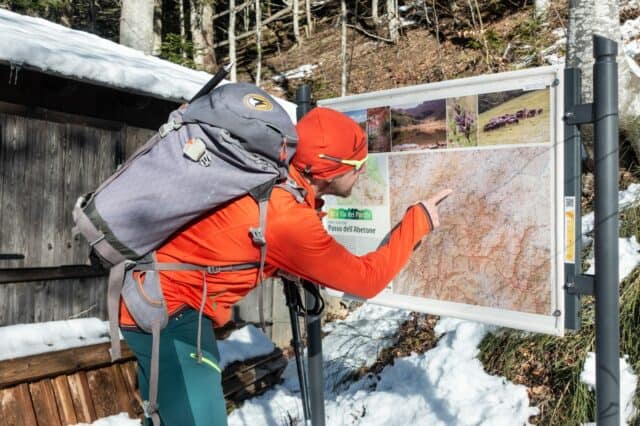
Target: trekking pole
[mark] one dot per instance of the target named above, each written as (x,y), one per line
(292,296)
(215,80)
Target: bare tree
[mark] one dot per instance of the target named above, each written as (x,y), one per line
(232,39)
(202,34)
(307,7)
(258,42)
(183,29)
(343,19)
(296,21)
(584,16)
(374,12)
(393,20)
(157,28)
(136,24)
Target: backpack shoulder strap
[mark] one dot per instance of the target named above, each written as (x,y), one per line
(298,192)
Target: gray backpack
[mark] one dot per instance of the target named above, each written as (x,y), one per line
(235,140)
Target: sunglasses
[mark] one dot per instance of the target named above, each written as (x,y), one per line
(356,164)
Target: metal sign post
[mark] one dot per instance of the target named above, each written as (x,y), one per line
(603,113)
(314,329)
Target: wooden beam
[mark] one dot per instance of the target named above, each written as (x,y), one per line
(51,364)
(20,275)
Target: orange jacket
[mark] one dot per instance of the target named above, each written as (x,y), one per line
(296,242)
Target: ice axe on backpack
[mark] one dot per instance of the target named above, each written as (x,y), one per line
(215,80)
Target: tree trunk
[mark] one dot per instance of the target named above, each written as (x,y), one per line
(136,24)
(232,39)
(92,16)
(183,30)
(157,28)
(584,16)
(343,18)
(394,21)
(258,42)
(202,34)
(296,20)
(307,7)
(374,12)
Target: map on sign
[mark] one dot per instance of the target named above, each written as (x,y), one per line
(496,141)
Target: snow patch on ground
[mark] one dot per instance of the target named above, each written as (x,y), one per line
(302,71)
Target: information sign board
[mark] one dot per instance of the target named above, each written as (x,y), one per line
(496,140)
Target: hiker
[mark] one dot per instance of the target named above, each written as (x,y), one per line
(331,155)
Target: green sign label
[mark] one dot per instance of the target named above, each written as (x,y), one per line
(353,214)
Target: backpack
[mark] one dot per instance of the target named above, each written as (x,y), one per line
(230,142)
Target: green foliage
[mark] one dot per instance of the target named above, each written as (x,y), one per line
(177,50)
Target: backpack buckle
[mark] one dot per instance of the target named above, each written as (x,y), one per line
(213,269)
(149,409)
(258,236)
(169,126)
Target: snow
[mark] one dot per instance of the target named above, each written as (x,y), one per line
(445,386)
(30,339)
(121,419)
(42,45)
(245,343)
(628,383)
(302,71)
(53,48)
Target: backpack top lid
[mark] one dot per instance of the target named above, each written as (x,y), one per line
(251,115)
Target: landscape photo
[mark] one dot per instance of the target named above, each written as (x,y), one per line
(420,125)
(359,116)
(514,117)
(379,129)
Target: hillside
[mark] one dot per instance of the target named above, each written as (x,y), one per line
(512,40)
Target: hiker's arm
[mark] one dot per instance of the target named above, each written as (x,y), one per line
(307,250)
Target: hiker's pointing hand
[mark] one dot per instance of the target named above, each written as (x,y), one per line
(431,205)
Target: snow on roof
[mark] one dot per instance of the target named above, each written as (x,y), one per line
(54,49)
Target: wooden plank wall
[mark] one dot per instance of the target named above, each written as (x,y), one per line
(44,167)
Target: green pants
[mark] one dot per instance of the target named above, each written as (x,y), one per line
(189,393)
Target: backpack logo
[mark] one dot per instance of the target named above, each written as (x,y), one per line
(257,102)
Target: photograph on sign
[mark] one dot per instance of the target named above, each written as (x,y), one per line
(379,129)
(419,125)
(497,256)
(514,116)
(462,122)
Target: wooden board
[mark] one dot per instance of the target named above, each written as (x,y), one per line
(108,391)
(55,363)
(44,403)
(63,399)
(16,408)
(81,397)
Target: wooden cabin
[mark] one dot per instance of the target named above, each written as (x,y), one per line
(66,123)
